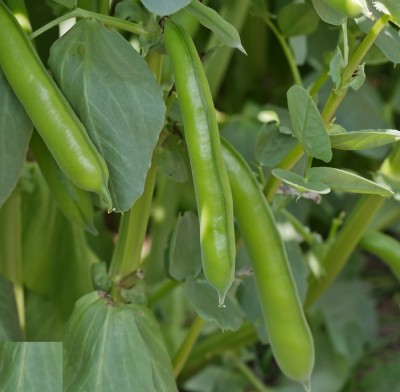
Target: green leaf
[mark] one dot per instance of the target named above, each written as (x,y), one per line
(307,123)
(300,183)
(165,7)
(15,132)
(390,7)
(364,139)
(56,265)
(117,98)
(346,181)
(210,18)
(172,164)
(184,251)
(9,323)
(336,66)
(272,145)
(247,296)
(297,19)
(33,367)
(358,78)
(329,14)
(130,10)
(203,298)
(218,379)
(350,317)
(114,347)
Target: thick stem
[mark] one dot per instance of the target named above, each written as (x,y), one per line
(344,245)
(186,348)
(163,218)
(132,231)
(11,250)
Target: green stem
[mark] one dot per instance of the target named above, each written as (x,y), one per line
(132,231)
(299,227)
(216,66)
(250,376)
(163,218)
(11,250)
(215,345)
(336,98)
(103,7)
(390,166)
(345,43)
(286,50)
(81,13)
(344,245)
(162,291)
(318,84)
(184,351)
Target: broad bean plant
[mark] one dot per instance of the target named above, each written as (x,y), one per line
(199,195)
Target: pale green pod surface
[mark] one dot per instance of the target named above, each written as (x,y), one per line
(289,334)
(213,194)
(52,115)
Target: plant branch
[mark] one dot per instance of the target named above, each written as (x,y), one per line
(250,376)
(287,51)
(343,246)
(215,345)
(184,351)
(132,230)
(106,19)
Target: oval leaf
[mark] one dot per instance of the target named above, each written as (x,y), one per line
(15,132)
(308,126)
(185,250)
(272,145)
(203,298)
(300,183)
(165,7)
(33,367)
(172,164)
(297,19)
(114,347)
(329,14)
(346,181)
(363,140)
(210,18)
(117,98)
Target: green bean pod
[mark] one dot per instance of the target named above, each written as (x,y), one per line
(50,112)
(75,203)
(289,334)
(213,194)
